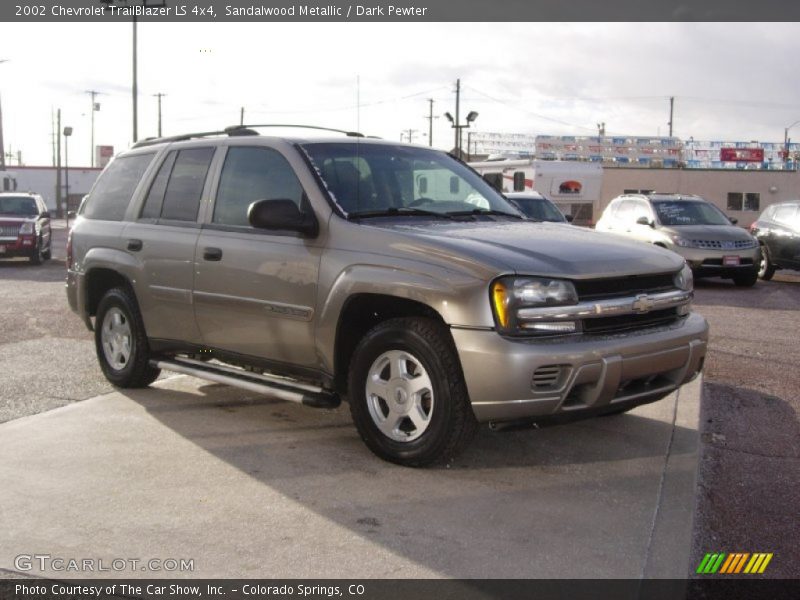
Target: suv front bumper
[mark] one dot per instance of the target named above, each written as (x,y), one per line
(511,379)
(711,263)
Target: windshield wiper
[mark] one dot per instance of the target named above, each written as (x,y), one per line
(402,211)
(484,211)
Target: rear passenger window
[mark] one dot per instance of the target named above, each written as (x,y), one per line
(155,197)
(185,185)
(251,174)
(111,194)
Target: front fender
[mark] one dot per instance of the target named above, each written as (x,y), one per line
(458,299)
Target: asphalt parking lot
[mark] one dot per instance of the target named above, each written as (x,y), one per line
(746,495)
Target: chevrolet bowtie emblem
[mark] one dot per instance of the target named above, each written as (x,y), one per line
(642,304)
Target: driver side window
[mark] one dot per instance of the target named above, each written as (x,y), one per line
(251,173)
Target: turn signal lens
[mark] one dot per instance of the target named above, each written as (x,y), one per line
(500,300)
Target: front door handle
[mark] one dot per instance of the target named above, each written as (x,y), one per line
(212,253)
(135,245)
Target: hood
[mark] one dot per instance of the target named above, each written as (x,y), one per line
(708,232)
(529,248)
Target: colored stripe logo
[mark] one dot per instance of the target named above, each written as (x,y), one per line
(734,563)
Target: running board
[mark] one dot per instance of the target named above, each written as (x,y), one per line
(277,387)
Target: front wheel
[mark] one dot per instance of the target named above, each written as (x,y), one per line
(767,269)
(407,393)
(121,342)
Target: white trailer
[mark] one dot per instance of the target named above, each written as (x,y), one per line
(574,186)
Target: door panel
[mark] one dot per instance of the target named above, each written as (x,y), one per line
(254,290)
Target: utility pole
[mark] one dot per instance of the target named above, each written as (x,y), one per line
(671,107)
(2,146)
(95,107)
(53,134)
(159,95)
(241,116)
(430,118)
(458,106)
(409,133)
(601,128)
(135,87)
(59,211)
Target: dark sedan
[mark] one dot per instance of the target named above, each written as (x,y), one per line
(778,231)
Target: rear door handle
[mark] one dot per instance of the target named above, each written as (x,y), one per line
(212,253)
(135,245)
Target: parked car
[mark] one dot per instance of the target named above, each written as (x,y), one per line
(778,231)
(690,226)
(24,227)
(319,269)
(535,206)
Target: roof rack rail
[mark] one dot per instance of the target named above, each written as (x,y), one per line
(176,138)
(233,131)
(230,130)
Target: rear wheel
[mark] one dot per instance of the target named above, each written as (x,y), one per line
(767,269)
(121,342)
(37,256)
(407,394)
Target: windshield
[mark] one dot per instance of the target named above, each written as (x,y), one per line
(18,205)
(539,209)
(688,213)
(382,179)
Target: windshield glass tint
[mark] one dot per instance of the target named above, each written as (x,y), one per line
(688,213)
(364,178)
(18,205)
(541,210)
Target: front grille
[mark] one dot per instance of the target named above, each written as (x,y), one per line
(628,322)
(9,230)
(723,244)
(594,289)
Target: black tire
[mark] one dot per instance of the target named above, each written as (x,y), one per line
(37,256)
(135,371)
(746,279)
(451,422)
(767,269)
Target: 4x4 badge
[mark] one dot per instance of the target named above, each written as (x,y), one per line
(642,304)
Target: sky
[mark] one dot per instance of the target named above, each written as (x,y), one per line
(730,81)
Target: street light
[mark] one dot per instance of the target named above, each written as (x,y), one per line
(67,133)
(471,116)
(786,142)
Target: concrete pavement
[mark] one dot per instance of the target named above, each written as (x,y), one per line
(251,487)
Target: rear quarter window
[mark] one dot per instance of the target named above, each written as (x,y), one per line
(112,193)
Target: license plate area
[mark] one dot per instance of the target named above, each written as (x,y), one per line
(731,261)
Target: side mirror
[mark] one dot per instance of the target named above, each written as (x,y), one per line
(281,215)
(71,214)
(569,218)
(733,220)
(45,215)
(644,221)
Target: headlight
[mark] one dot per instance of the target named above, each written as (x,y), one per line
(510,294)
(26,227)
(682,242)
(684,279)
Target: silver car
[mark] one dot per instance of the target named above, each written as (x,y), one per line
(691,226)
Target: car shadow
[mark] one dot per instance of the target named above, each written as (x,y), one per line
(510,487)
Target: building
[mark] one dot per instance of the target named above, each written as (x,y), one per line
(42,180)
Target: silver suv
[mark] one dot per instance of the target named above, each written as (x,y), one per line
(389,275)
(690,226)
